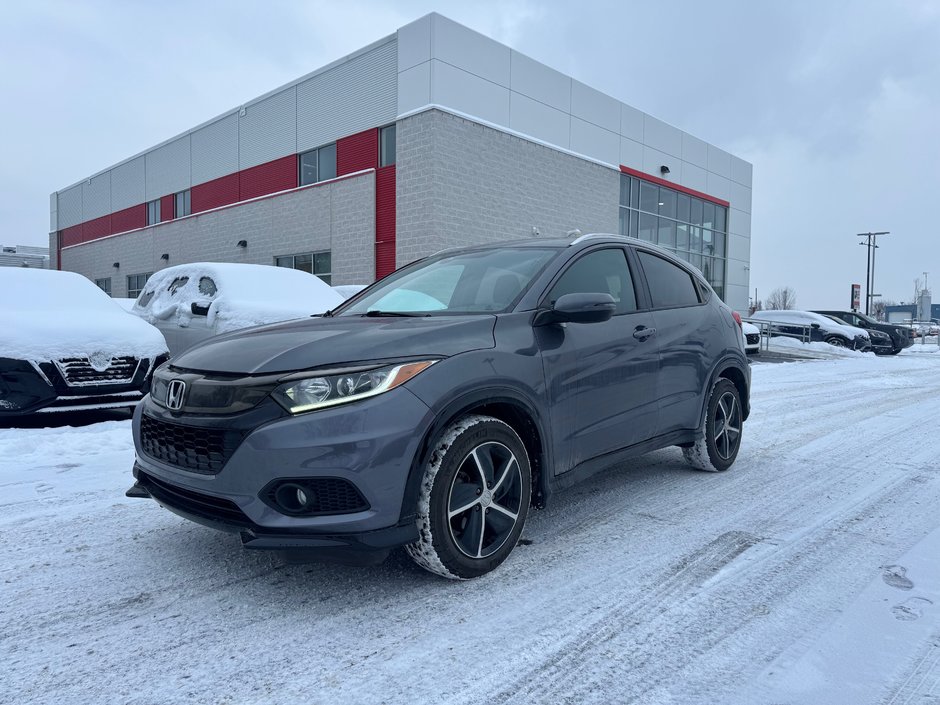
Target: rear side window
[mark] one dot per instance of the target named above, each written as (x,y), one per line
(599,272)
(670,285)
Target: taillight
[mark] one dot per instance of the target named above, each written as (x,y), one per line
(737,318)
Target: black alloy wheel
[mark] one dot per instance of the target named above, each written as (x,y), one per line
(717,450)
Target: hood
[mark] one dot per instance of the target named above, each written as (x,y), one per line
(55,335)
(329,342)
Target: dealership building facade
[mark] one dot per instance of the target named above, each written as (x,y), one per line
(433,137)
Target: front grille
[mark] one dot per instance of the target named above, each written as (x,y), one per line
(79,372)
(330,495)
(193,448)
(753,338)
(194,502)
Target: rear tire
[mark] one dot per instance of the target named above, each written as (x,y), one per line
(473,500)
(718,447)
(835,341)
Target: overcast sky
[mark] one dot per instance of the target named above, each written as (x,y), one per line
(837,104)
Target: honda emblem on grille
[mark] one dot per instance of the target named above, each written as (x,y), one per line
(174,394)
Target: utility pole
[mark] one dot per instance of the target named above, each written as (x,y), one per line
(872,245)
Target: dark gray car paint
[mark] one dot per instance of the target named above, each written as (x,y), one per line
(381,443)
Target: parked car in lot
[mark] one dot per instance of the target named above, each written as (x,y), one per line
(439,405)
(880,342)
(804,325)
(192,302)
(900,335)
(751,335)
(65,346)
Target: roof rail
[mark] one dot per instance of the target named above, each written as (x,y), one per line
(597,236)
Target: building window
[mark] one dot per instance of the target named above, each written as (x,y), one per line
(387,146)
(318,263)
(135,284)
(104,285)
(695,229)
(183,204)
(153,212)
(318,165)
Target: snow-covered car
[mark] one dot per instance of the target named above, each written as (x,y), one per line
(347,291)
(813,327)
(880,342)
(751,335)
(191,302)
(66,346)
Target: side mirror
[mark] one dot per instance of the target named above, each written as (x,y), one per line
(578,308)
(814,325)
(199,309)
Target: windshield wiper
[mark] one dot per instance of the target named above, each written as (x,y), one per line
(394,314)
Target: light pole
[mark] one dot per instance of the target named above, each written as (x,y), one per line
(872,245)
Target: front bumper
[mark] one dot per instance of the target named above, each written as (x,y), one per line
(28,387)
(371,444)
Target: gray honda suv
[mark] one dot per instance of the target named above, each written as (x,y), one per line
(436,407)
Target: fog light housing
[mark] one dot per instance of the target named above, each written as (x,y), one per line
(313,496)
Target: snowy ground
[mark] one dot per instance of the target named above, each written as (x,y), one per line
(808,573)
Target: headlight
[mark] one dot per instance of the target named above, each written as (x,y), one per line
(320,391)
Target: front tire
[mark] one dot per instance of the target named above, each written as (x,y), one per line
(836,341)
(474,499)
(718,448)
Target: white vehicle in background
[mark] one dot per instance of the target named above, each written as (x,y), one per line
(191,302)
(751,335)
(66,346)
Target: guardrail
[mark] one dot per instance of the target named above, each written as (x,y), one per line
(767,330)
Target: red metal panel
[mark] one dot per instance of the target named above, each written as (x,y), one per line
(70,236)
(129,219)
(167,208)
(384,221)
(215,193)
(670,184)
(357,152)
(279,175)
(99,227)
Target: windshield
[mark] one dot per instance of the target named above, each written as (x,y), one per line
(486,281)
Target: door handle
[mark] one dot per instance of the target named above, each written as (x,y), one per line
(642,332)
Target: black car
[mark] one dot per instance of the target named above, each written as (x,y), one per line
(435,407)
(900,335)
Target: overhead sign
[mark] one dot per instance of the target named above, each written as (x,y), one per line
(856,296)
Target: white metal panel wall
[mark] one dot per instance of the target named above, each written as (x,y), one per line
(70,207)
(168,168)
(96,196)
(53,212)
(127,184)
(351,97)
(214,150)
(268,129)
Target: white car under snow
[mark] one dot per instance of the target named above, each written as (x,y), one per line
(192,302)
(66,346)
(751,334)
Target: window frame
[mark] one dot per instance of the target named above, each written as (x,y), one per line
(153,212)
(639,295)
(317,151)
(697,280)
(315,256)
(383,132)
(143,284)
(104,284)
(186,196)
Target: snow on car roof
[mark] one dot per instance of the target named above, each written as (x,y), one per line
(239,295)
(50,315)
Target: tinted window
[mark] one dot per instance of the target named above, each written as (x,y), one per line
(177,284)
(207,286)
(604,272)
(670,285)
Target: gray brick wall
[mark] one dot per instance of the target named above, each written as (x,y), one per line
(338,216)
(460,183)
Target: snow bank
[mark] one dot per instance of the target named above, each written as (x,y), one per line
(238,295)
(49,315)
(814,349)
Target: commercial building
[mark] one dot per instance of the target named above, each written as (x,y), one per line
(432,137)
(24,256)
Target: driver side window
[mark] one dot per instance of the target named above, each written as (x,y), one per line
(599,272)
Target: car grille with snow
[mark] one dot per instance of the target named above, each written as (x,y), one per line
(202,450)
(81,371)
